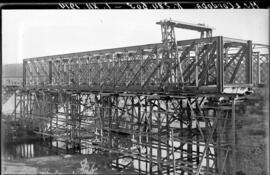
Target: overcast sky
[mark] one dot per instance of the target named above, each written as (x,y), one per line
(33,33)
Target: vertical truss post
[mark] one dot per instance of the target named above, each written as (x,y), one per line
(205,65)
(249,63)
(21,112)
(23,109)
(26,110)
(197,68)
(29,110)
(50,72)
(39,111)
(24,73)
(15,105)
(258,68)
(170,52)
(69,71)
(226,61)
(32,110)
(220,69)
(202,34)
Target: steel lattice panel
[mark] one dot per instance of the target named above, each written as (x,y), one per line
(264,69)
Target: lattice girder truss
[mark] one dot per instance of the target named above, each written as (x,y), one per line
(206,65)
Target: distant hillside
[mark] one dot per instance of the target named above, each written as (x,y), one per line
(12,70)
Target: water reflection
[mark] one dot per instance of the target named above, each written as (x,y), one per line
(14,151)
(131,152)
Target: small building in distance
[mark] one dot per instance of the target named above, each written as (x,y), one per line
(12,75)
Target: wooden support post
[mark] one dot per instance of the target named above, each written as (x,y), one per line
(56,125)
(109,108)
(43,116)
(173,156)
(168,136)
(139,131)
(181,129)
(159,139)
(218,133)
(150,137)
(159,156)
(116,119)
(72,121)
(79,122)
(132,113)
(233,139)
(50,113)
(145,131)
(67,118)
(198,146)
(189,146)
(102,122)
(207,125)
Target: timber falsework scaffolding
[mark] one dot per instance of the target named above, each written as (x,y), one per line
(169,107)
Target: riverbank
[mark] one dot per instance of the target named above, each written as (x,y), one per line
(63,164)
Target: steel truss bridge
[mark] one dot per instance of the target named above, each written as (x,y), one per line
(168,106)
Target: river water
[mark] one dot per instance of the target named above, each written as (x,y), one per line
(27,149)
